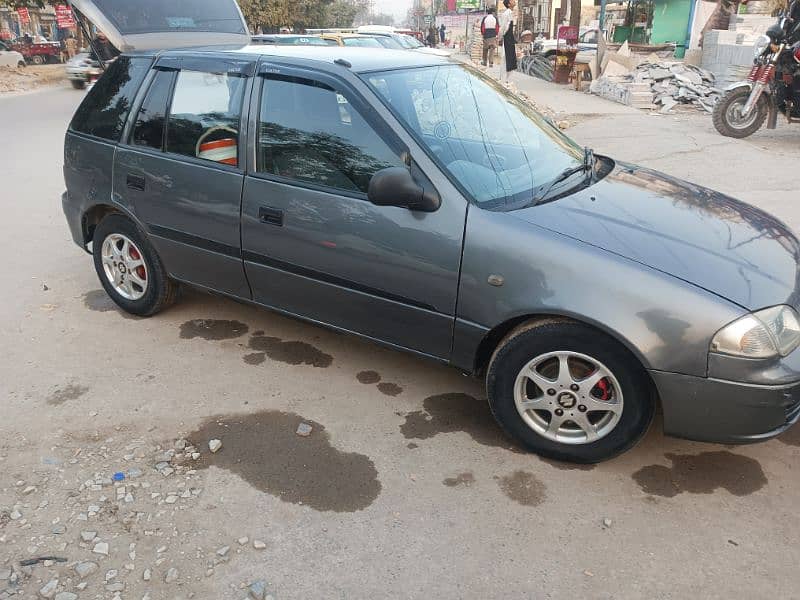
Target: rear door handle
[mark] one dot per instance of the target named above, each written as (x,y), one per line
(270,216)
(135,182)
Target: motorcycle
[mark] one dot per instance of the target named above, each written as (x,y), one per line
(772,86)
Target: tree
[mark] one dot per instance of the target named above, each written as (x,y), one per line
(721,17)
(342,13)
(575,13)
(15,4)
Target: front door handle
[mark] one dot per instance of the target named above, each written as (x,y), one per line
(135,182)
(270,216)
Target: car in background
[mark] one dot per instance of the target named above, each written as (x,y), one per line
(291,39)
(352,40)
(37,53)
(587,46)
(10,58)
(81,69)
(405,41)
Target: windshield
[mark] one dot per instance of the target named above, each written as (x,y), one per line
(387,42)
(500,150)
(148,16)
(409,41)
(361,42)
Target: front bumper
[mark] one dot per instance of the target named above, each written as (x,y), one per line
(716,410)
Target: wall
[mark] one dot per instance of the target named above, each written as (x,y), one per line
(670,21)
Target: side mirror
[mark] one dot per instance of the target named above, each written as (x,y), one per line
(396,187)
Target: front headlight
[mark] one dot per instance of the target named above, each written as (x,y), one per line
(763,334)
(762,42)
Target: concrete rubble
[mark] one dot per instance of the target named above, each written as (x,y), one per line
(658,85)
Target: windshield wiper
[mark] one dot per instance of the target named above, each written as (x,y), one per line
(588,167)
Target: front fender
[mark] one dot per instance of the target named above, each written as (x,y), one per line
(664,321)
(740,84)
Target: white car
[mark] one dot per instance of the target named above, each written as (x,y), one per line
(406,41)
(587,46)
(10,58)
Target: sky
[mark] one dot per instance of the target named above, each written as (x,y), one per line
(398,8)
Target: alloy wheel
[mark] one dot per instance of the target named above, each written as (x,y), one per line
(568,397)
(124,266)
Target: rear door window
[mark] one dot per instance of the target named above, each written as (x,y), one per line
(105,109)
(204,116)
(151,119)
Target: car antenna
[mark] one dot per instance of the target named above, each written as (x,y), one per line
(342,62)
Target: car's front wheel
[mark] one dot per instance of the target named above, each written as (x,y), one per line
(78,84)
(566,391)
(129,269)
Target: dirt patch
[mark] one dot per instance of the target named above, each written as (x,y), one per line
(29,78)
(702,474)
(523,488)
(292,353)
(256,358)
(449,413)
(265,450)
(390,389)
(65,394)
(466,479)
(412,446)
(791,437)
(566,466)
(213,329)
(368,377)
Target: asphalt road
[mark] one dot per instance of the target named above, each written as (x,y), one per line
(405,488)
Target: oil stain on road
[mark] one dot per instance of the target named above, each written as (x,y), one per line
(65,394)
(368,377)
(292,353)
(702,474)
(213,329)
(454,412)
(523,488)
(390,389)
(100,301)
(462,479)
(265,450)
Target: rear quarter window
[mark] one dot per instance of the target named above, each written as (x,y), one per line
(105,108)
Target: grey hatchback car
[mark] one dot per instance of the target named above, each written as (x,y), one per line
(415,202)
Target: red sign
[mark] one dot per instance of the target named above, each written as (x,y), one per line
(22,14)
(569,34)
(64,18)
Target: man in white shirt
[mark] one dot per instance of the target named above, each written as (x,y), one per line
(489,31)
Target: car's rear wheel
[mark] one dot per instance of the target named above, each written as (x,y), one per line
(566,391)
(37,59)
(78,85)
(22,64)
(129,268)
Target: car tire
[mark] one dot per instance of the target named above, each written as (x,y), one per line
(37,59)
(131,247)
(78,85)
(602,434)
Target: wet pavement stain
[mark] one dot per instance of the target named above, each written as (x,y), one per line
(368,377)
(412,446)
(212,329)
(293,353)
(524,488)
(466,479)
(256,358)
(100,301)
(65,394)
(264,450)
(449,413)
(702,474)
(390,389)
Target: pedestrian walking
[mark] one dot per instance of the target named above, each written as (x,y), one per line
(432,35)
(507,33)
(490,29)
(71,45)
(442,33)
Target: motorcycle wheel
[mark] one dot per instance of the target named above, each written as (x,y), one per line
(727,115)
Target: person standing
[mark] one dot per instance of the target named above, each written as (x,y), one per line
(490,29)
(432,35)
(442,33)
(71,45)
(507,33)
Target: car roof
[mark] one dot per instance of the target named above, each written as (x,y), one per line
(361,60)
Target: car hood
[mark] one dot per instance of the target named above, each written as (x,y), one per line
(695,234)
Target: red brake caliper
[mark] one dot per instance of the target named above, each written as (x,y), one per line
(605,390)
(140,270)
